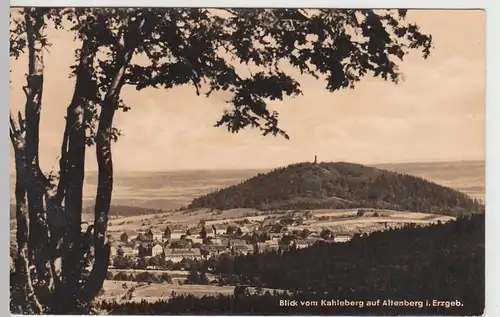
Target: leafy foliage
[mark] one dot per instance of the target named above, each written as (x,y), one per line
(196,277)
(142,277)
(207,48)
(339,185)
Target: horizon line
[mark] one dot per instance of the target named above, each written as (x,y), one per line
(278,166)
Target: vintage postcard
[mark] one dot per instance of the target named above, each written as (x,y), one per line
(247,161)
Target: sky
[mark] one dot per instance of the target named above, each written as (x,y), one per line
(436,114)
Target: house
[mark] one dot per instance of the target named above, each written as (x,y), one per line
(157,250)
(216,241)
(177,255)
(275,236)
(301,243)
(342,237)
(272,244)
(214,250)
(131,252)
(177,234)
(220,230)
(210,232)
(157,236)
(241,249)
(237,242)
(262,247)
(243,230)
(249,249)
(314,234)
(114,250)
(179,244)
(194,240)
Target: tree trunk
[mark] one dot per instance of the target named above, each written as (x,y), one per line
(105,179)
(84,93)
(73,173)
(22,224)
(44,230)
(105,162)
(38,231)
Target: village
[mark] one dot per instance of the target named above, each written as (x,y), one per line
(208,240)
(161,246)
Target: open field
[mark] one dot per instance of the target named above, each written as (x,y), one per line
(366,220)
(184,219)
(114,290)
(337,219)
(349,221)
(369,211)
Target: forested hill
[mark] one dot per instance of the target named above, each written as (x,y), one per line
(339,185)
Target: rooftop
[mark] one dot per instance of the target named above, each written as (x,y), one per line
(215,247)
(343,234)
(176,252)
(302,241)
(242,247)
(236,242)
(177,231)
(220,226)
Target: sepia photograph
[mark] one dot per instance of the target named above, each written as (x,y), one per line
(247,161)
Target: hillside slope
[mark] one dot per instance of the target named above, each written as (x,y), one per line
(339,185)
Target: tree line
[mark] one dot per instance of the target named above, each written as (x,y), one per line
(142,277)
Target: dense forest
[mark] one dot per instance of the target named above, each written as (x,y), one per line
(437,262)
(339,185)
